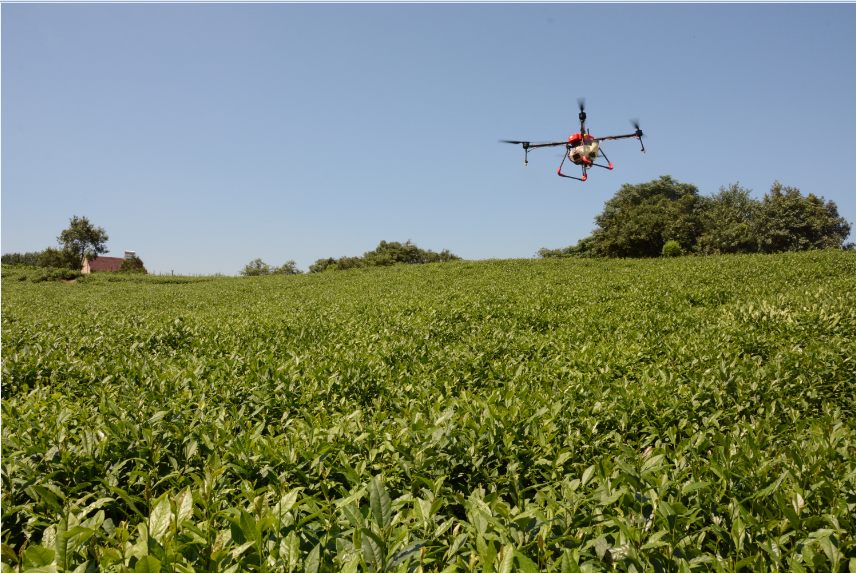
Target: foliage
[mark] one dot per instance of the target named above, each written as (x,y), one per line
(25,259)
(667,415)
(639,220)
(288,268)
(132,265)
(60,259)
(82,239)
(386,254)
(727,218)
(258,268)
(787,221)
(672,249)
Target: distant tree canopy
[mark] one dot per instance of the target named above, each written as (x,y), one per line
(79,240)
(641,219)
(133,265)
(386,254)
(258,267)
(82,239)
(25,259)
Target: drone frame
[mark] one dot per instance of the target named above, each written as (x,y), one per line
(583,162)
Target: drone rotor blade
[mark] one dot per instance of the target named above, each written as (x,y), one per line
(635,124)
(582,103)
(524,143)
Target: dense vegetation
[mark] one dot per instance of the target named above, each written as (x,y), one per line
(81,239)
(641,219)
(683,414)
(386,254)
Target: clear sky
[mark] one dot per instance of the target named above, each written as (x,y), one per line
(205,136)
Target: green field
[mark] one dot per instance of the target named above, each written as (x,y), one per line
(692,414)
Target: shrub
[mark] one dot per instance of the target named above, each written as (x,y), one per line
(672,249)
(133,265)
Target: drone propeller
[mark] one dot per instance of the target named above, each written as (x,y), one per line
(582,103)
(635,123)
(525,145)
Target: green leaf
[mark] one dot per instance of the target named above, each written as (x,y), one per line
(587,475)
(160,518)
(313,561)
(507,559)
(830,548)
(48,497)
(694,486)
(248,526)
(525,564)
(147,564)
(410,551)
(381,504)
(374,550)
(61,544)
(38,556)
(289,550)
(184,505)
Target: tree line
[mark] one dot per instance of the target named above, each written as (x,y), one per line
(81,240)
(386,254)
(667,217)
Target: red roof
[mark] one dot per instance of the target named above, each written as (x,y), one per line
(106,264)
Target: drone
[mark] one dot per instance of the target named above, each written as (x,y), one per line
(581,148)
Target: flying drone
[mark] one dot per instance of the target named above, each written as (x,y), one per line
(581,148)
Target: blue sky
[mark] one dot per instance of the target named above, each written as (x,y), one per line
(205,136)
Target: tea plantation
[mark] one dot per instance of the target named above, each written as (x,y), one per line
(689,414)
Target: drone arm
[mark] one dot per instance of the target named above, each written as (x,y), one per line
(551,144)
(628,136)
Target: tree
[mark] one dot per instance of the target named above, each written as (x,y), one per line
(787,221)
(24,259)
(258,268)
(727,222)
(82,239)
(640,218)
(386,254)
(289,268)
(60,259)
(133,265)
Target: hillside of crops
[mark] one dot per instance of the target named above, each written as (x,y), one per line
(662,415)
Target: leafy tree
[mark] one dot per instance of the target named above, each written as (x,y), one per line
(133,265)
(24,259)
(727,221)
(640,218)
(787,221)
(289,268)
(60,259)
(258,268)
(83,239)
(386,254)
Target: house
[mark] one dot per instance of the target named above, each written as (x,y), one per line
(110,264)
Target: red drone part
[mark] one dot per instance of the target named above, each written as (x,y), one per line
(581,148)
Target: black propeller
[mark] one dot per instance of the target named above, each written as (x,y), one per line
(635,123)
(582,103)
(525,145)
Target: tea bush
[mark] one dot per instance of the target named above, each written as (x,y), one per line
(686,414)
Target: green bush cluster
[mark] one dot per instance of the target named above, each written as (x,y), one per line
(386,254)
(132,265)
(690,414)
(640,219)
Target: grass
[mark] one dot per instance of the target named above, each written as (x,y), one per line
(691,414)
